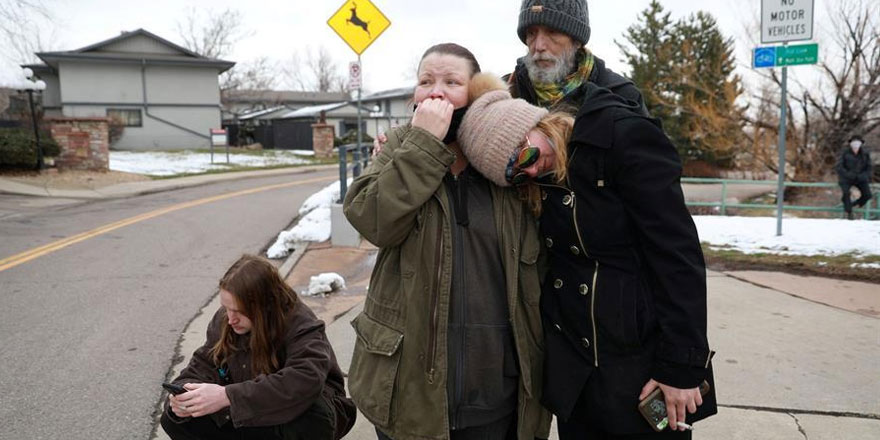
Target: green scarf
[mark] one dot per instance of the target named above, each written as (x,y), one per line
(551,93)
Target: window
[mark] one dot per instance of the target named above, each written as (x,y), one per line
(128,117)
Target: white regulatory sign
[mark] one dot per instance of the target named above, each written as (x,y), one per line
(354,75)
(786,20)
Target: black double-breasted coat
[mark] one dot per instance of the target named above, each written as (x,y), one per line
(624,299)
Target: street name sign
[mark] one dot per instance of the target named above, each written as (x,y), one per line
(795,55)
(786,20)
(359,23)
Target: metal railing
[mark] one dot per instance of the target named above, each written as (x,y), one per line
(360,158)
(870,211)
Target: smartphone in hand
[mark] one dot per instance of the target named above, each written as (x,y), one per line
(174,388)
(653,407)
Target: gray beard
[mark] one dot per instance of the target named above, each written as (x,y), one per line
(563,65)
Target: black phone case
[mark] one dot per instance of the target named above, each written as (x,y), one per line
(653,408)
(174,388)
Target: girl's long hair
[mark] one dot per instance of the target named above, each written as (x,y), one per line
(265,299)
(557,127)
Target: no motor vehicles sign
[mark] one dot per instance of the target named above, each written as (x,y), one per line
(786,20)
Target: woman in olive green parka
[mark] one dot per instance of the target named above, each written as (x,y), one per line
(450,340)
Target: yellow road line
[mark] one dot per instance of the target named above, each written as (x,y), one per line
(24,257)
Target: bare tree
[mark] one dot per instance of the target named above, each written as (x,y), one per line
(257,74)
(215,36)
(316,71)
(21,33)
(845,100)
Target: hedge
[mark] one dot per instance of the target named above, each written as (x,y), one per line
(18,149)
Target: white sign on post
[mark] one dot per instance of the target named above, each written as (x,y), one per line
(786,20)
(354,75)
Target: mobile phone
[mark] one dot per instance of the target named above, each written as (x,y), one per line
(653,407)
(174,388)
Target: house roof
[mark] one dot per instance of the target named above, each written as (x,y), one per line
(259,113)
(402,92)
(284,96)
(174,54)
(314,110)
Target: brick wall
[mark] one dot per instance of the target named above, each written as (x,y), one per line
(322,140)
(84,142)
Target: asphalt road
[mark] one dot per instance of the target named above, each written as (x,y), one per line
(88,331)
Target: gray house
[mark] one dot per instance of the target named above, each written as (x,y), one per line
(167,97)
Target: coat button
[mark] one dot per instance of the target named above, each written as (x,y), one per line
(585,342)
(558,328)
(543,195)
(584,289)
(557,284)
(567,200)
(549,242)
(574,249)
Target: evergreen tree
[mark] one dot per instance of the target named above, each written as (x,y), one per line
(685,71)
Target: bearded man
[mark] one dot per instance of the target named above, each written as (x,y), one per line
(557,67)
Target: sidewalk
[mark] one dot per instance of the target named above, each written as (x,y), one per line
(796,359)
(49,187)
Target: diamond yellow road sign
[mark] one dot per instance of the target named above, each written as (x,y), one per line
(359,23)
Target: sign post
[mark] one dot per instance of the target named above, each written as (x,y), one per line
(354,77)
(359,23)
(783,21)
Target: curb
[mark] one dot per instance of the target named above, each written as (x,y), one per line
(107,192)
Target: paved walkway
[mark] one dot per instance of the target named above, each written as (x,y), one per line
(797,356)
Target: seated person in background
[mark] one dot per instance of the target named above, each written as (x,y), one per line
(267,370)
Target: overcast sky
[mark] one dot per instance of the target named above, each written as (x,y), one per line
(280,28)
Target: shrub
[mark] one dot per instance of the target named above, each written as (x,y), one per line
(700,168)
(116,129)
(350,137)
(18,149)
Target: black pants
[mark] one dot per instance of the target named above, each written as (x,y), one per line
(864,190)
(504,429)
(317,423)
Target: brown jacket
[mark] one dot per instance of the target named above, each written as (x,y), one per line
(309,371)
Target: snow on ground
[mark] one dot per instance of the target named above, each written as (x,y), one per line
(749,235)
(325,283)
(314,222)
(162,163)
(800,236)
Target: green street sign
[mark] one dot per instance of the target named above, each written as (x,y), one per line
(798,54)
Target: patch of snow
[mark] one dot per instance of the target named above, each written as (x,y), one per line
(865,265)
(325,283)
(314,222)
(303,152)
(163,163)
(822,263)
(800,236)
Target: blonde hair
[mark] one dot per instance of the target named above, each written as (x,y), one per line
(557,126)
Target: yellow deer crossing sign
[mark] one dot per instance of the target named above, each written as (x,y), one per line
(359,23)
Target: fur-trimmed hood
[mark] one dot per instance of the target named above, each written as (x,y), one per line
(482,83)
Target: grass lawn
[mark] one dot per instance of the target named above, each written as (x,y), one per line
(841,266)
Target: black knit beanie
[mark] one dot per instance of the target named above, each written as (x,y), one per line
(569,16)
